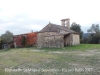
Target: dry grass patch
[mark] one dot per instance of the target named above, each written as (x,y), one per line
(41,59)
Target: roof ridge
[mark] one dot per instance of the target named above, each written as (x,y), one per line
(56,28)
(55,24)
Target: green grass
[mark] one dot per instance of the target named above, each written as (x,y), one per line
(77,47)
(80,56)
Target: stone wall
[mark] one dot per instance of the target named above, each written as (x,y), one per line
(75,39)
(54,41)
(41,38)
(51,39)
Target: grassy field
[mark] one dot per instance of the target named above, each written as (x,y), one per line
(82,59)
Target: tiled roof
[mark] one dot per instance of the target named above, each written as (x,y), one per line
(56,28)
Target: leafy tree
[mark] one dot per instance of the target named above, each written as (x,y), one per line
(94,28)
(95,34)
(23,41)
(7,37)
(76,27)
(0,40)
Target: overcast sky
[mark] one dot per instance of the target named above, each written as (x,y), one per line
(22,16)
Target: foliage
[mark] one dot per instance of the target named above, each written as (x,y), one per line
(23,41)
(94,28)
(95,34)
(1,43)
(31,38)
(94,37)
(0,40)
(7,37)
(76,27)
(85,40)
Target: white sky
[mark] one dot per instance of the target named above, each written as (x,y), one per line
(22,16)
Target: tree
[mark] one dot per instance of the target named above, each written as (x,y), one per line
(94,28)
(7,37)
(76,27)
(0,40)
(95,34)
(23,41)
